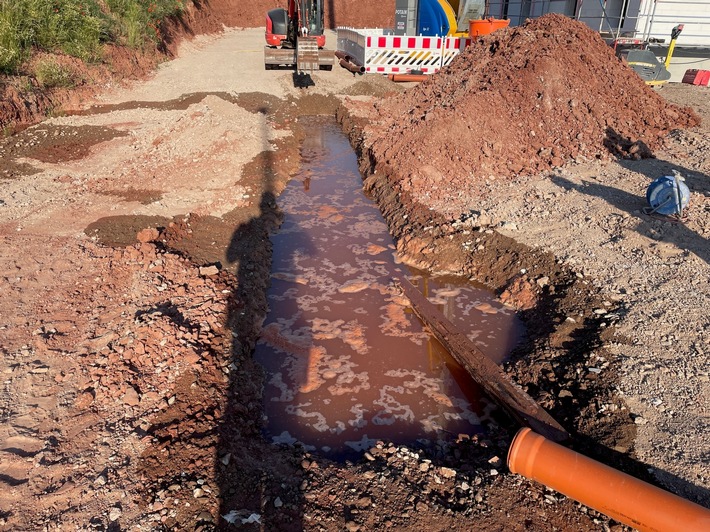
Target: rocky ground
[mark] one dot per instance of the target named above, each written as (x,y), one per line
(135,259)
(648,274)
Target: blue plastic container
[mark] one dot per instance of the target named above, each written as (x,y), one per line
(668,195)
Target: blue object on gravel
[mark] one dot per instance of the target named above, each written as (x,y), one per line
(668,195)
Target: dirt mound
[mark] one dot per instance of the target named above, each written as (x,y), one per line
(520,101)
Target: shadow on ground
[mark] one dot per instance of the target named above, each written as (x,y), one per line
(678,233)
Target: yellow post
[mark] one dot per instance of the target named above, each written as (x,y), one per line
(674,37)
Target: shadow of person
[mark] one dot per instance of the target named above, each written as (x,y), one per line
(678,233)
(655,168)
(259,482)
(638,157)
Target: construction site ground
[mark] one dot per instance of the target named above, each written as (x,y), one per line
(134,262)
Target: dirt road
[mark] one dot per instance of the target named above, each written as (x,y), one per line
(135,257)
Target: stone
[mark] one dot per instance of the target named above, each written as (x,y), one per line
(495,461)
(147,235)
(207,271)
(114,514)
(130,397)
(447,472)
(84,399)
(364,502)
(543,281)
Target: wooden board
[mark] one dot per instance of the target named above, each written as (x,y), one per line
(482,369)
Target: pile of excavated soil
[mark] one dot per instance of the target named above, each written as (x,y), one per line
(519,101)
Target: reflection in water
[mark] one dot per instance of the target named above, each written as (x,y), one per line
(347,363)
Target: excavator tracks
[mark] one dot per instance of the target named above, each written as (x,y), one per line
(307,56)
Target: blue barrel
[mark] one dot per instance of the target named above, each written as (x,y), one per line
(668,195)
(432,19)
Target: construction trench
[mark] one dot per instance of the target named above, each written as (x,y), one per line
(346,365)
(110,441)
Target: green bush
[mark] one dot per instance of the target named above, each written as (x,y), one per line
(140,19)
(50,74)
(78,27)
(11,39)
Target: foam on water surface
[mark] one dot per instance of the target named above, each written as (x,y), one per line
(347,362)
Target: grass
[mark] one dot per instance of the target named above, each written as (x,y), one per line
(78,28)
(50,74)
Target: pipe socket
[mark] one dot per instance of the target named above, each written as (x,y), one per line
(342,55)
(616,494)
(352,67)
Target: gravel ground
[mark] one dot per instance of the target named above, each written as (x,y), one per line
(656,271)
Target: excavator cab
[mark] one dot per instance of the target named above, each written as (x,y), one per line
(311,18)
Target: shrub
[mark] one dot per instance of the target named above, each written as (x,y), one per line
(11,39)
(78,27)
(50,73)
(140,19)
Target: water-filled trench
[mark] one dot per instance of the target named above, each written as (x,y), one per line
(347,362)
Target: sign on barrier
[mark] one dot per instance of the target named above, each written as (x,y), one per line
(452,47)
(398,54)
(388,54)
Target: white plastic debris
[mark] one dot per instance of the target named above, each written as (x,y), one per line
(238,515)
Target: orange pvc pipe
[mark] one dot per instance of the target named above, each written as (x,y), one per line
(408,77)
(607,490)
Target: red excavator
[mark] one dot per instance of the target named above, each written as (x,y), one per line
(296,37)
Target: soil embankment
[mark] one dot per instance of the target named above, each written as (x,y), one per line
(521,101)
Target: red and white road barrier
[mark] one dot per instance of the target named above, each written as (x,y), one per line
(398,54)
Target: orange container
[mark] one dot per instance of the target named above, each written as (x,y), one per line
(476,28)
(616,494)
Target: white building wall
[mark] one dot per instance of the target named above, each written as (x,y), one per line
(694,15)
(633,18)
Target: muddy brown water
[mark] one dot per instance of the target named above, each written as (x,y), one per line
(347,361)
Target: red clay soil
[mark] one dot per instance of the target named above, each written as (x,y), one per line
(362,14)
(519,101)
